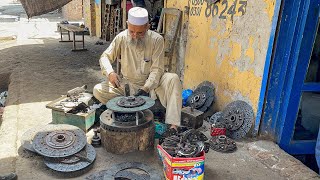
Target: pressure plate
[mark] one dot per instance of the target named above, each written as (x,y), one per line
(130,104)
(238,119)
(72,163)
(202,97)
(222,144)
(59,141)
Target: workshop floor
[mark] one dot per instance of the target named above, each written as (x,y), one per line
(40,69)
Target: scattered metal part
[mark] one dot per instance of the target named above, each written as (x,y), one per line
(60,141)
(191,117)
(187,144)
(238,119)
(76,91)
(113,104)
(96,140)
(213,119)
(115,169)
(202,97)
(192,135)
(206,147)
(107,122)
(72,163)
(131,102)
(222,144)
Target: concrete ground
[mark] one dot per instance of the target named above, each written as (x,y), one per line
(38,69)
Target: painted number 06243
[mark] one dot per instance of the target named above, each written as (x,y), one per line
(212,9)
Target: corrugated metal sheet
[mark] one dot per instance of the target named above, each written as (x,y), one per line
(39,7)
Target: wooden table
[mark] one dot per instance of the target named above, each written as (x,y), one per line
(74,29)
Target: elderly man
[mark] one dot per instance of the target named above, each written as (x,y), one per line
(142,67)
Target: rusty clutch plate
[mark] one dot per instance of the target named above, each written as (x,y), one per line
(59,141)
(130,104)
(238,119)
(72,163)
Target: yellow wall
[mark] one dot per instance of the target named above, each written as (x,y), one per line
(229,52)
(98,17)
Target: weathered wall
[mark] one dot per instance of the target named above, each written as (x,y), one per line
(73,10)
(98,17)
(89,16)
(227,45)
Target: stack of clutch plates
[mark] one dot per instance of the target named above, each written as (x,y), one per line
(64,147)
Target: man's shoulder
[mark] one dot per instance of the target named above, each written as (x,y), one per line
(122,35)
(154,35)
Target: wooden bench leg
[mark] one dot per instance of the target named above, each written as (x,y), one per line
(74,42)
(61,37)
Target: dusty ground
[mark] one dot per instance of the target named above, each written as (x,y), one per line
(38,69)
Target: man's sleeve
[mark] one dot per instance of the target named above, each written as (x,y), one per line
(157,67)
(109,56)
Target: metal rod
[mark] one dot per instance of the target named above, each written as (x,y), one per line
(82,40)
(74,40)
(137,118)
(60,32)
(113,116)
(69,35)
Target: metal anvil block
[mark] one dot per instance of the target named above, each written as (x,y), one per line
(191,117)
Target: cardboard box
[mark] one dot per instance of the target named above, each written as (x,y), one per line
(182,168)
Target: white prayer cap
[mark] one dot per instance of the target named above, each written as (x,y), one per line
(138,16)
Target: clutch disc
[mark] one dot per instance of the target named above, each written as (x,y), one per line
(60,141)
(72,163)
(28,136)
(238,118)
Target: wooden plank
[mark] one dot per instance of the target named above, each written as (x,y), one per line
(70,27)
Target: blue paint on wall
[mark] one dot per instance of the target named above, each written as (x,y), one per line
(267,67)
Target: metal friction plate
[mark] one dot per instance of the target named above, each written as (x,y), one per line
(197,99)
(72,163)
(130,102)
(205,91)
(113,105)
(115,169)
(107,122)
(242,121)
(59,141)
(28,136)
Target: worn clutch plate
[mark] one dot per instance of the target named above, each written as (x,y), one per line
(28,136)
(59,140)
(72,163)
(238,119)
(130,104)
(202,97)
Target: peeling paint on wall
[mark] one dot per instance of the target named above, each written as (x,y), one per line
(227,45)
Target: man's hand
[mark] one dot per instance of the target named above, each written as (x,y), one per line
(114,79)
(141,92)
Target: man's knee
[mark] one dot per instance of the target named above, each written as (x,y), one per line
(97,92)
